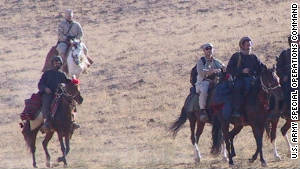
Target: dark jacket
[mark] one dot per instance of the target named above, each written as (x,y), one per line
(283,64)
(51,79)
(246,61)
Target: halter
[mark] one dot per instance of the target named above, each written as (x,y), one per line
(267,89)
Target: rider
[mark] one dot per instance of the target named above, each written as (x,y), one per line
(244,67)
(207,66)
(47,86)
(68,30)
(283,69)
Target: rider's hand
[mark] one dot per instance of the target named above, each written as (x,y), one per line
(246,70)
(47,90)
(217,70)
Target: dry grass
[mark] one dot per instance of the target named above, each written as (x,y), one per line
(143,52)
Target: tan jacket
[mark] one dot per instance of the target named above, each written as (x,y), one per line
(75,30)
(204,69)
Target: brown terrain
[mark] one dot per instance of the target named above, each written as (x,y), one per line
(143,52)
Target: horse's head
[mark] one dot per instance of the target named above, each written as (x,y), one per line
(71,91)
(270,84)
(76,51)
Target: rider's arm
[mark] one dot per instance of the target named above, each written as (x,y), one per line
(79,31)
(232,65)
(61,35)
(259,65)
(42,83)
(202,72)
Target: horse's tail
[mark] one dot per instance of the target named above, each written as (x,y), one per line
(175,127)
(217,136)
(29,136)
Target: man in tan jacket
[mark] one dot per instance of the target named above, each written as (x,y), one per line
(207,66)
(68,29)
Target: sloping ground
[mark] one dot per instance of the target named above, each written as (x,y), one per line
(143,52)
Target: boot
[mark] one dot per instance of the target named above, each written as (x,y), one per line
(203,115)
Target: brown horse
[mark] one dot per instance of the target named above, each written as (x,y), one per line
(191,111)
(256,113)
(62,123)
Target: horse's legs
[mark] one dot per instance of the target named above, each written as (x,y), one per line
(273,139)
(225,128)
(255,133)
(232,134)
(192,126)
(224,152)
(67,141)
(33,148)
(45,143)
(200,127)
(276,155)
(284,130)
(258,134)
(62,146)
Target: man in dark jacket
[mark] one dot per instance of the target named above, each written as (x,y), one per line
(244,67)
(283,69)
(47,85)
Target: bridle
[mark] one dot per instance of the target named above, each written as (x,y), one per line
(266,88)
(62,91)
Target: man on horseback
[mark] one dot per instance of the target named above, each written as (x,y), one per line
(283,70)
(47,86)
(244,67)
(207,67)
(69,30)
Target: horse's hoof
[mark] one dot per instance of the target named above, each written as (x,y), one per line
(34,165)
(251,160)
(264,164)
(225,159)
(197,160)
(65,165)
(277,158)
(60,159)
(48,164)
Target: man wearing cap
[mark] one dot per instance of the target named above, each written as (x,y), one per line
(244,67)
(47,86)
(283,70)
(207,66)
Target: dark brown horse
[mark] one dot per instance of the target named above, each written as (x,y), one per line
(191,111)
(256,112)
(62,123)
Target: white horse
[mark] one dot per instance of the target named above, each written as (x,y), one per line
(77,60)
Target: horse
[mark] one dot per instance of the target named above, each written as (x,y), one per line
(77,60)
(68,94)
(256,112)
(191,111)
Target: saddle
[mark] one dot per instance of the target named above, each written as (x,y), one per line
(32,107)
